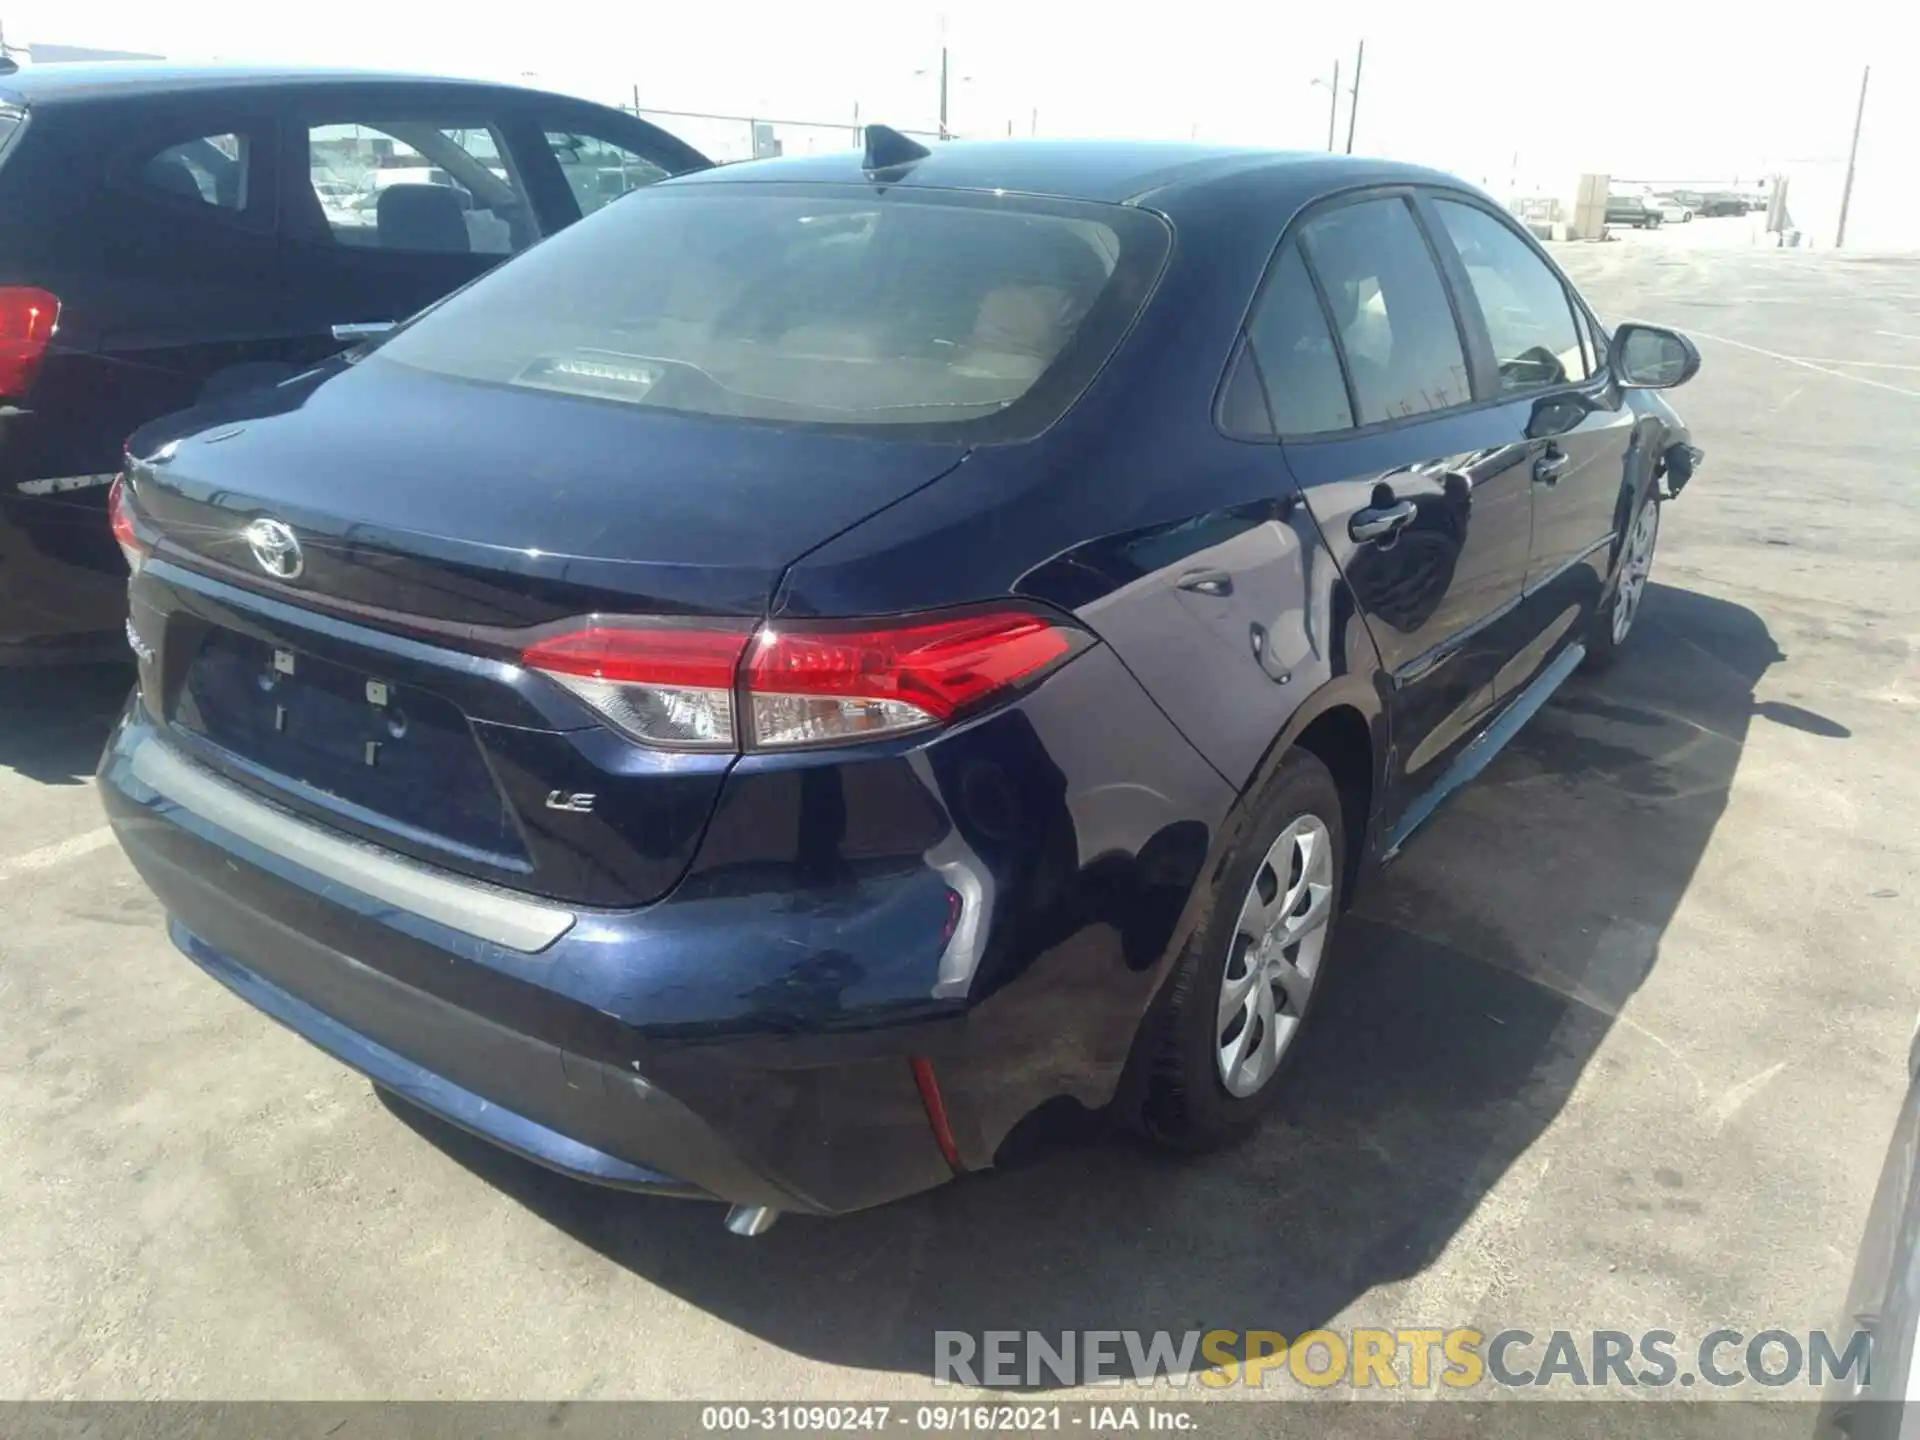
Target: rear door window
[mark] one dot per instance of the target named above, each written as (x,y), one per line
(839,306)
(413,185)
(1390,310)
(1290,338)
(598,170)
(209,170)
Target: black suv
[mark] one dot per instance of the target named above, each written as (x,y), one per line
(1634,210)
(169,232)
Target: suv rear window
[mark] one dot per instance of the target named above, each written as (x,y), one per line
(977,316)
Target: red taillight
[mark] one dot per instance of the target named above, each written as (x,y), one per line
(806,683)
(28,318)
(120,516)
(663,683)
(820,684)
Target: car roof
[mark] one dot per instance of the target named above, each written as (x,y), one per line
(146,79)
(1116,171)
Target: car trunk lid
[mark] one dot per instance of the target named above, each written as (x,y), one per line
(368,676)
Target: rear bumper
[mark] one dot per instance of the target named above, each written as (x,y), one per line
(1001,901)
(480,1035)
(442,1096)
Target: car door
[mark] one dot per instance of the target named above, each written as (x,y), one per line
(1576,428)
(166,275)
(154,228)
(1419,488)
(390,200)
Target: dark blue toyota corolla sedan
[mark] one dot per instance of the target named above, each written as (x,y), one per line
(827,665)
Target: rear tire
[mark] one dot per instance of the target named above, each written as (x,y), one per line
(1228,1023)
(1614,622)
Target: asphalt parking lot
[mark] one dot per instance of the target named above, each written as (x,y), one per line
(1618,1043)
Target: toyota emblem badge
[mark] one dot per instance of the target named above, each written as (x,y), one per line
(276,547)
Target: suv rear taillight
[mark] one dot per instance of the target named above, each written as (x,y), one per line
(801,683)
(120,517)
(28,318)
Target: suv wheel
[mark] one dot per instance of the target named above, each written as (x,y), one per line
(1230,1018)
(1613,622)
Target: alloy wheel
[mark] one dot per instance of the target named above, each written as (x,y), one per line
(1635,566)
(1274,957)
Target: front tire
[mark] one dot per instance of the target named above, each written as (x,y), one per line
(1613,622)
(1230,1019)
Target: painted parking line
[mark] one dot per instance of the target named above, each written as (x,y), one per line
(1812,365)
(1859,364)
(58,853)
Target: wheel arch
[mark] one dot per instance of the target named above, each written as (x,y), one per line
(1345,725)
(1340,738)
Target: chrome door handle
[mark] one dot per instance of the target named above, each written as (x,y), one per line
(1376,523)
(1547,469)
(362,329)
(1217,583)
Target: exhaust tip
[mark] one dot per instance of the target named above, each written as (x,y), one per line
(751,1220)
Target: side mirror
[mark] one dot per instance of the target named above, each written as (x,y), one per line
(1647,357)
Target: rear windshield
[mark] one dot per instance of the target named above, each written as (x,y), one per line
(977,316)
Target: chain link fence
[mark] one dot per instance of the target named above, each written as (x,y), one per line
(754,137)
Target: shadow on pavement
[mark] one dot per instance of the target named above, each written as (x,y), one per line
(1475,982)
(54,719)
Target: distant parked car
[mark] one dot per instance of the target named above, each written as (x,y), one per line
(1721,202)
(1635,210)
(1673,210)
(170,232)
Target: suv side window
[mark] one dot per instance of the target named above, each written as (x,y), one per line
(1389,308)
(209,171)
(413,185)
(1530,319)
(598,170)
(1306,391)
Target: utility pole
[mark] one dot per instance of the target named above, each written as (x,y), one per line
(943,91)
(1033,122)
(1853,151)
(1333,104)
(1353,110)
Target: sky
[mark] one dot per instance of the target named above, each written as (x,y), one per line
(1517,95)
